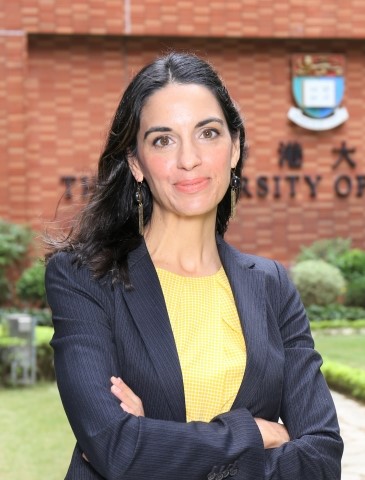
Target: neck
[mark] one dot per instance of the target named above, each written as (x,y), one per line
(186,246)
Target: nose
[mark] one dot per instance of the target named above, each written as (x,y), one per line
(188,156)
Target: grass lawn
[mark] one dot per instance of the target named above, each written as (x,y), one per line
(346,349)
(36,441)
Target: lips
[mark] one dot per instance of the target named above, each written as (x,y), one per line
(192,185)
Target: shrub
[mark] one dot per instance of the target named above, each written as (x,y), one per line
(334,311)
(327,249)
(345,379)
(30,286)
(14,244)
(355,294)
(4,288)
(352,264)
(339,325)
(318,282)
(43,315)
(45,368)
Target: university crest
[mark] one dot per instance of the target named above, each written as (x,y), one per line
(318,85)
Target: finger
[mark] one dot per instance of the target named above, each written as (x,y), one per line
(133,403)
(121,390)
(127,408)
(136,411)
(118,382)
(117,392)
(124,393)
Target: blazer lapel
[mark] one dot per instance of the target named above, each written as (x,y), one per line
(148,308)
(248,287)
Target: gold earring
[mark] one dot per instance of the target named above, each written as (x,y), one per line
(235,187)
(139,200)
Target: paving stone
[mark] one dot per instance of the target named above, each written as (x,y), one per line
(351,416)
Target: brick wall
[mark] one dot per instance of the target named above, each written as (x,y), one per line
(13,55)
(59,91)
(197,18)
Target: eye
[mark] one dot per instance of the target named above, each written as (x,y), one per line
(210,133)
(162,141)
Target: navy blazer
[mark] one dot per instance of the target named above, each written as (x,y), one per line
(102,331)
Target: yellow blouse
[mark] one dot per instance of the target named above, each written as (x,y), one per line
(209,340)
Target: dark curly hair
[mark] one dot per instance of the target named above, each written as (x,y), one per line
(106,229)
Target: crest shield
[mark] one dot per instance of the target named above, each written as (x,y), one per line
(318,86)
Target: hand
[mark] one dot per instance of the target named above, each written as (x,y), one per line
(129,401)
(273,434)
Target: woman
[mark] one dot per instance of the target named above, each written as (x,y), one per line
(205,347)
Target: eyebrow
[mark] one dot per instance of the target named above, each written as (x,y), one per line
(202,123)
(209,120)
(156,129)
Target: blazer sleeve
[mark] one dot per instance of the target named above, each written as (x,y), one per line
(307,408)
(117,444)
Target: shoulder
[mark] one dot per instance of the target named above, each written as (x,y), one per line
(252,262)
(271,271)
(72,286)
(64,263)
(279,290)
(66,267)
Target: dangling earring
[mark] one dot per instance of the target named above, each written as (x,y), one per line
(235,186)
(139,200)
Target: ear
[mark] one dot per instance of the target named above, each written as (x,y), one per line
(135,168)
(235,151)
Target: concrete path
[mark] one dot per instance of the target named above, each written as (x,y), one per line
(351,416)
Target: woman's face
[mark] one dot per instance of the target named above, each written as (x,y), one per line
(184,151)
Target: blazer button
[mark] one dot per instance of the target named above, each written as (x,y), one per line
(219,476)
(225,473)
(211,476)
(233,469)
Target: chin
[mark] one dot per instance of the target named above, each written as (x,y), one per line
(197,212)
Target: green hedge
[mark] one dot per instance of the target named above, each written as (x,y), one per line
(355,293)
(335,311)
(344,379)
(45,369)
(331,324)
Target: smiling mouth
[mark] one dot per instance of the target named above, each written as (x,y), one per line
(193,185)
